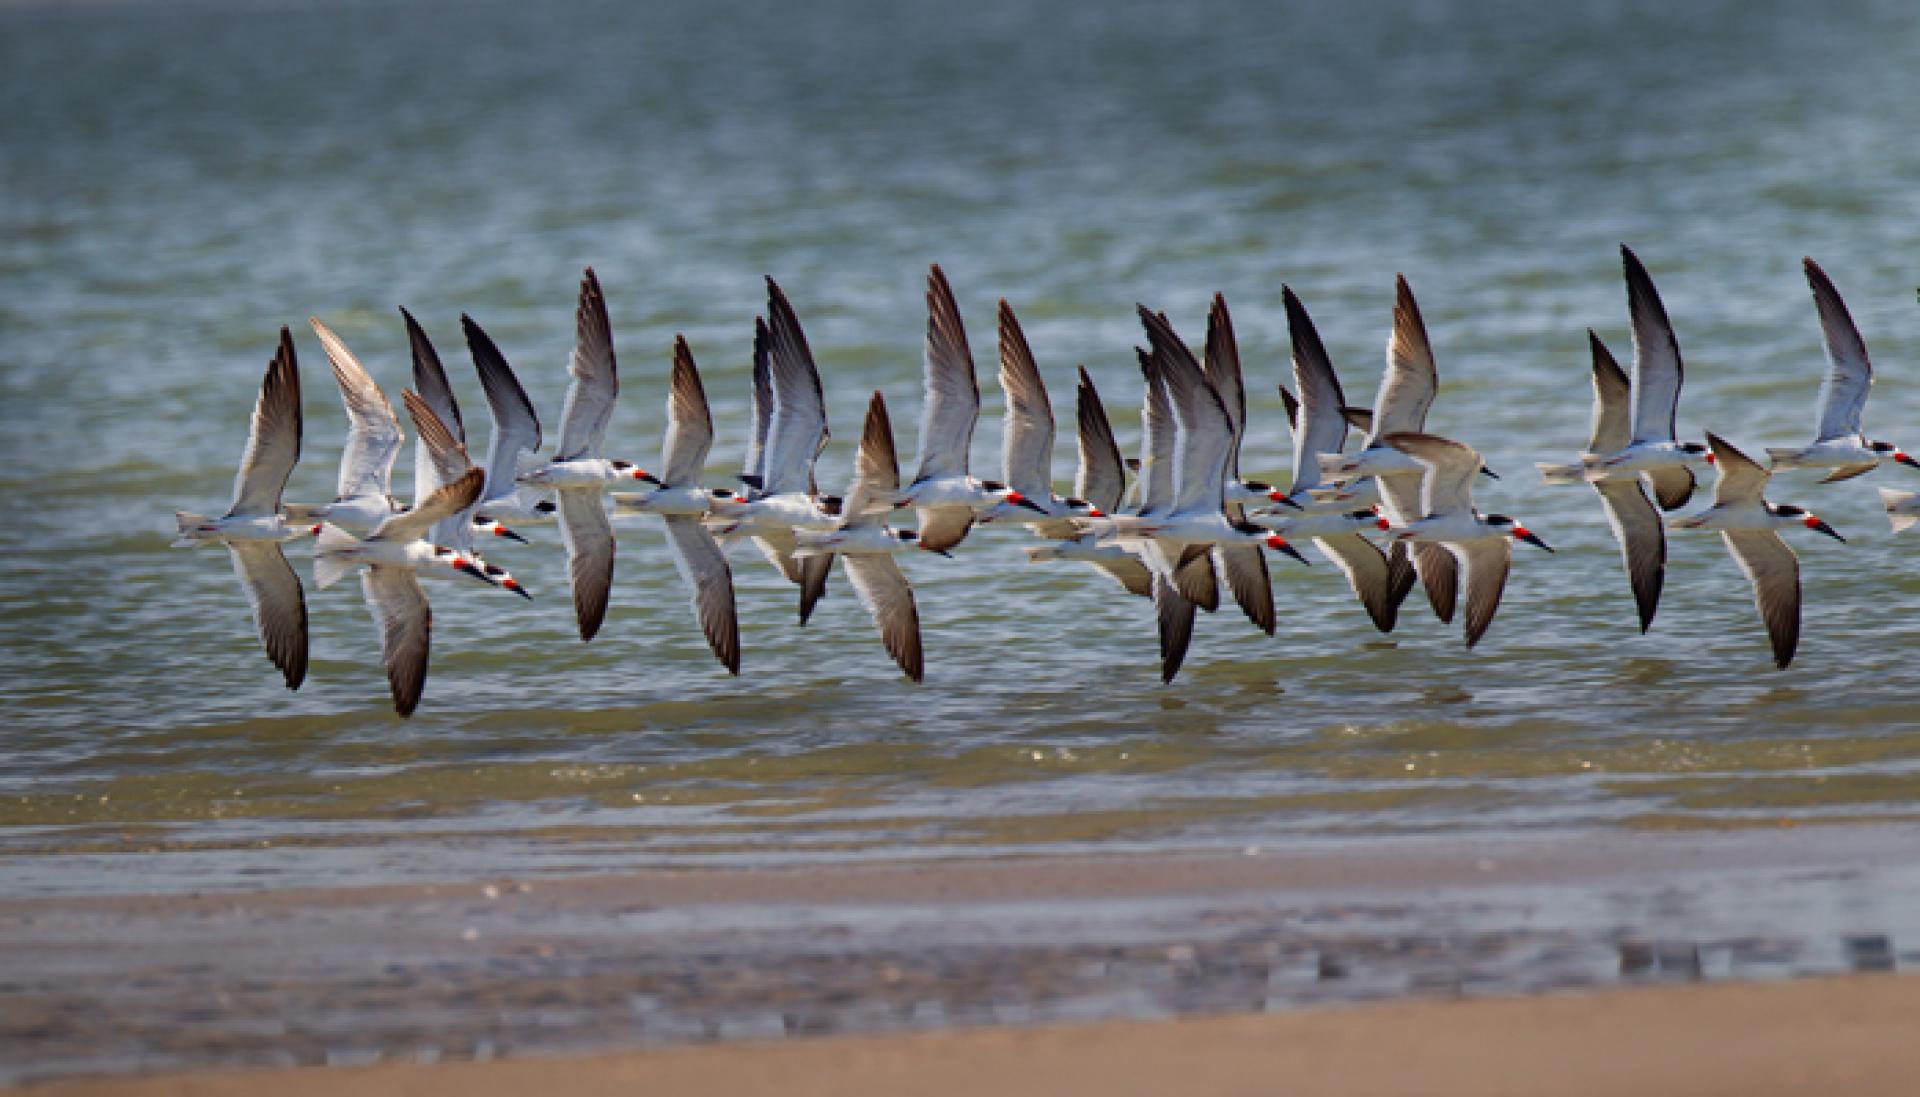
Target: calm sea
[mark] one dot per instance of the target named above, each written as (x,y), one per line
(177,180)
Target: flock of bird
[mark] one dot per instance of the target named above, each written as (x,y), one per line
(1190,522)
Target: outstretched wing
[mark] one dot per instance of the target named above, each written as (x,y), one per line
(1026,442)
(703,568)
(1843,393)
(1657,371)
(516,426)
(400,608)
(279,606)
(952,394)
(1774,571)
(884,591)
(273,438)
(1412,379)
(1318,425)
(689,423)
(373,431)
(596,380)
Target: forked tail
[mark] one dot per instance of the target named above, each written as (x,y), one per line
(193,528)
(1786,458)
(1903,507)
(1562,474)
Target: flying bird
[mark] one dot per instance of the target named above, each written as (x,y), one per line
(869,544)
(1748,524)
(1635,522)
(1840,446)
(1653,449)
(253,528)
(363,498)
(946,497)
(1481,544)
(578,472)
(682,503)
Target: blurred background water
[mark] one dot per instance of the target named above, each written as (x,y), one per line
(179,179)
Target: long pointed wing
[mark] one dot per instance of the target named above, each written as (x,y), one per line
(1451,467)
(703,568)
(952,394)
(798,428)
(1843,392)
(588,535)
(1102,478)
(689,422)
(1612,427)
(434,393)
(1026,441)
(1440,575)
(400,608)
(1175,617)
(1130,573)
(516,426)
(1221,364)
(812,577)
(884,591)
(1657,372)
(1742,479)
(1365,567)
(1318,426)
(279,606)
(443,462)
(1643,542)
(1486,563)
(596,378)
(373,431)
(876,469)
(1245,569)
(1158,438)
(753,467)
(1774,571)
(430,379)
(273,437)
(1412,378)
(1205,437)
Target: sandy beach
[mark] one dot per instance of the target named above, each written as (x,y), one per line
(1829,1036)
(1566,961)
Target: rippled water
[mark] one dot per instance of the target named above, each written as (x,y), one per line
(177,180)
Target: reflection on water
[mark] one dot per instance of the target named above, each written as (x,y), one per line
(269,161)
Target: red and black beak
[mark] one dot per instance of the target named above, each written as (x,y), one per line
(1522,533)
(1906,459)
(1279,544)
(502,531)
(1280,497)
(461,563)
(1816,524)
(1020,500)
(513,585)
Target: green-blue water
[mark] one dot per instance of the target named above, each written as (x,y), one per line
(178,180)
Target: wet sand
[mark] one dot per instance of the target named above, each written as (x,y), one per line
(1000,973)
(1828,1036)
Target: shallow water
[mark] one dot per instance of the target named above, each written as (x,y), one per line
(178,180)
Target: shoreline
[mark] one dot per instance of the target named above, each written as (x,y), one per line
(591,965)
(1848,1035)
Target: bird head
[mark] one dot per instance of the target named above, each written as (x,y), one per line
(628,468)
(1516,529)
(1279,544)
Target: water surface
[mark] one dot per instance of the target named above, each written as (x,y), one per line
(178,180)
